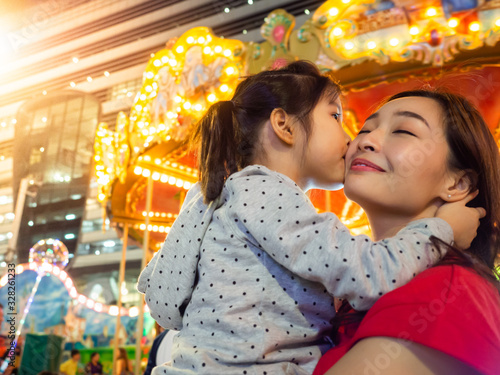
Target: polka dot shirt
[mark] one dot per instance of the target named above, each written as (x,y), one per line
(249,279)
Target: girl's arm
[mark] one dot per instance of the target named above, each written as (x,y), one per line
(391,356)
(274,214)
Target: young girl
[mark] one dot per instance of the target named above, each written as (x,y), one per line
(248,270)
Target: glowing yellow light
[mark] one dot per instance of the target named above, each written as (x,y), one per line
(497,22)
(157,62)
(187,185)
(75,59)
(177,99)
(211,98)
(146,173)
(224,88)
(97,158)
(90,303)
(453,22)
(172,180)
(190,40)
(148,89)
(349,45)
(161,229)
(333,12)
(147,158)
(137,170)
(431,12)
(150,227)
(198,107)
(207,50)
(337,31)
(474,26)
(142,226)
(179,183)
(98,307)
(171,115)
(155,176)
(218,49)
(144,213)
(102,196)
(134,311)
(142,97)
(346,1)
(187,105)
(19,269)
(394,42)
(230,70)
(113,310)
(72,84)
(179,49)
(201,40)
(172,62)
(371,44)
(89,79)
(138,107)
(164,178)
(106,73)
(414,30)
(227,52)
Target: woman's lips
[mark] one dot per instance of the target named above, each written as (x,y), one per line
(364,165)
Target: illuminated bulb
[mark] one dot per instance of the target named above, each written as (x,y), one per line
(72,84)
(142,97)
(146,173)
(89,79)
(172,62)
(414,30)
(157,62)
(187,185)
(226,10)
(474,26)
(349,45)
(113,310)
(453,22)
(150,227)
(106,73)
(155,176)
(201,40)
(218,49)
(337,31)
(230,70)
(148,88)
(179,183)
(190,40)
(307,11)
(187,105)
(45,92)
(75,59)
(171,180)
(211,98)
(224,88)
(346,1)
(177,99)
(44,119)
(394,42)
(497,22)
(179,49)
(207,50)
(164,178)
(371,44)
(142,226)
(149,75)
(333,12)
(227,53)
(431,12)
(198,107)
(138,107)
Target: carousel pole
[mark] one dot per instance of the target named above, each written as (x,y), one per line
(145,248)
(120,282)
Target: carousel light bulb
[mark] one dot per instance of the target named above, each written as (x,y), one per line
(224,88)
(230,70)
(431,12)
(72,84)
(157,63)
(142,97)
(201,40)
(138,107)
(142,226)
(349,45)
(371,44)
(179,49)
(172,180)
(146,173)
(497,22)
(394,42)
(179,183)
(211,98)
(218,49)
(198,107)
(177,99)
(474,26)
(453,22)
(414,30)
(190,40)
(227,53)
(149,75)
(207,50)
(172,62)
(337,31)
(187,105)
(148,88)
(137,170)
(164,178)
(155,176)
(346,1)
(333,12)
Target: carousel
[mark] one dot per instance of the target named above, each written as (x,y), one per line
(144,164)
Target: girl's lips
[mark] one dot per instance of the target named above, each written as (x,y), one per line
(364,165)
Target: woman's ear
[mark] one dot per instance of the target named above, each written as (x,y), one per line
(283,126)
(459,186)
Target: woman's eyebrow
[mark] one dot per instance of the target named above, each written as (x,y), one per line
(372,116)
(412,115)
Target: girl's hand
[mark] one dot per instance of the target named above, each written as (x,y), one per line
(463,220)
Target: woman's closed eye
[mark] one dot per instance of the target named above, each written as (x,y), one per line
(363,131)
(401,131)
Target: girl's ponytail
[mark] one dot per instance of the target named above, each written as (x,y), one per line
(218,138)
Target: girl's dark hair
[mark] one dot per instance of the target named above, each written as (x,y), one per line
(228,133)
(473,149)
(93,355)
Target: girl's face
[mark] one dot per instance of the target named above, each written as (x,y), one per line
(323,161)
(398,161)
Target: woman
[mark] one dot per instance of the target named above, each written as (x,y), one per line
(94,367)
(418,151)
(123,365)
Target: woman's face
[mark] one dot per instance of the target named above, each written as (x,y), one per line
(398,162)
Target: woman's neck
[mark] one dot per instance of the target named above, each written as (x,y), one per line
(387,224)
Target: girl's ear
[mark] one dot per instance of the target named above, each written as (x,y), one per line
(459,186)
(283,126)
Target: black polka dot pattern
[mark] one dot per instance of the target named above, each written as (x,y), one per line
(257,282)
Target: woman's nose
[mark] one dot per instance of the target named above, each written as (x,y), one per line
(369,142)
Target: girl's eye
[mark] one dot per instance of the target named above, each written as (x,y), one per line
(336,116)
(405,132)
